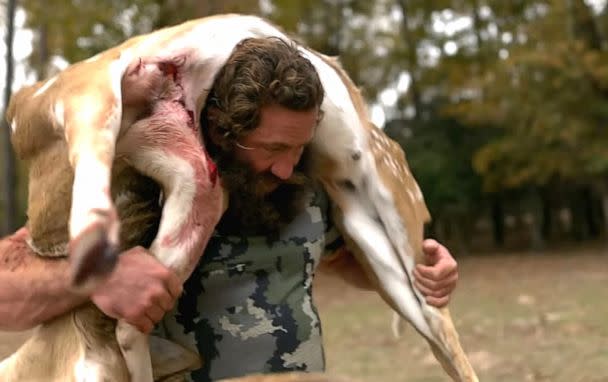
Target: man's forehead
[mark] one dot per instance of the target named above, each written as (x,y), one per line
(285,126)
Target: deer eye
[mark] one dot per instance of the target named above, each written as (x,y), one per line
(347,185)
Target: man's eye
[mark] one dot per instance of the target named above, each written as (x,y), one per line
(275,149)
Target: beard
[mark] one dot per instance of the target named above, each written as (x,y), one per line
(261,204)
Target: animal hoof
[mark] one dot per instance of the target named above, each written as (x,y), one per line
(93,257)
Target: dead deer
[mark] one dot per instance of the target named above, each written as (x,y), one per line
(92,137)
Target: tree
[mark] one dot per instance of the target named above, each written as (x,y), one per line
(549,99)
(78,29)
(9,173)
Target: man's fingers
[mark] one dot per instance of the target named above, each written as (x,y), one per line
(435,272)
(161,296)
(430,247)
(174,285)
(438,302)
(143,324)
(434,283)
(429,292)
(166,301)
(155,313)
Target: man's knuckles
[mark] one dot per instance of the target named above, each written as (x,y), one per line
(438,302)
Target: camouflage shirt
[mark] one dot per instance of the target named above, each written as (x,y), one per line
(247,307)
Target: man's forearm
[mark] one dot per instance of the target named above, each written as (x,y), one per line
(344,264)
(33,289)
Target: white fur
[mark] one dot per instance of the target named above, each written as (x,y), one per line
(93,59)
(176,177)
(135,349)
(6,364)
(45,87)
(221,34)
(418,193)
(175,174)
(397,325)
(59,114)
(87,371)
(90,192)
(14,125)
(91,173)
(379,250)
(170,171)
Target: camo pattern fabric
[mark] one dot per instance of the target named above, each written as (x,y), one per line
(247,307)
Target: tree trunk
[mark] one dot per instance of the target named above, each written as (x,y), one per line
(412,58)
(548,215)
(605,212)
(592,218)
(585,27)
(9,173)
(578,228)
(537,208)
(498,220)
(43,53)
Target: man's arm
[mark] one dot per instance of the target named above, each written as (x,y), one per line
(436,280)
(35,289)
(342,263)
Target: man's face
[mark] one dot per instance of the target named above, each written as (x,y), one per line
(264,172)
(275,147)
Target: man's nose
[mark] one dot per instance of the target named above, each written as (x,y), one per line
(283,166)
(282,169)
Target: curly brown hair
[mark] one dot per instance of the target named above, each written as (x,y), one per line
(261,72)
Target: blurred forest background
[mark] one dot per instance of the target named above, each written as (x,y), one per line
(501,106)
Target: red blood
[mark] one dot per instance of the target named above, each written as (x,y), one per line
(212,171)
(191,115)
(168,69)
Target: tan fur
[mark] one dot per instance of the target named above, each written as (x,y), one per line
(398,178)
(59,344)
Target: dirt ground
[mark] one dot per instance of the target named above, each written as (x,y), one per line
(522,317)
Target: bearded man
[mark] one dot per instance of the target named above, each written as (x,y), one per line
(248,306)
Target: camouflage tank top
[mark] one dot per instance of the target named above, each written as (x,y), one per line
(248,308)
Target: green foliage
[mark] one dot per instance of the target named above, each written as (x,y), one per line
(439,152)
(77,29)
(550,98)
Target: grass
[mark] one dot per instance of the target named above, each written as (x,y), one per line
(521,317)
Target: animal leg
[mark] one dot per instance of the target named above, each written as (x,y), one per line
(169,151)
(92,123)
(392,274)
(135,350)
(446,346)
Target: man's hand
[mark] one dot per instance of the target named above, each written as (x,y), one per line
(140,290)
(437,279)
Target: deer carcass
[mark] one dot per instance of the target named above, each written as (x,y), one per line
(108,110)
